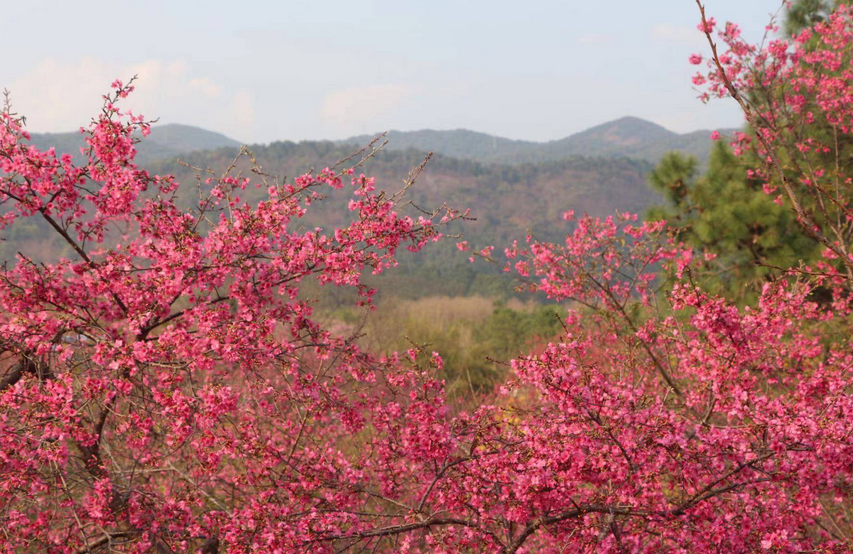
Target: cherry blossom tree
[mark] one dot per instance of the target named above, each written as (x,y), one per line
(684,424)
(796,97)
(165,388)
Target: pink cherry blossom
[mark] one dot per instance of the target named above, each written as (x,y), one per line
(169,390)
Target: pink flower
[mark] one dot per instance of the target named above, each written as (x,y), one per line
(708,26)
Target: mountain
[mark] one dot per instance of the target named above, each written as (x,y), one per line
(514,188)
(632,137)
(459,143)
(165,142)
(628,137)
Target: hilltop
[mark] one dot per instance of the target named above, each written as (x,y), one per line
(628,137)
(165,142)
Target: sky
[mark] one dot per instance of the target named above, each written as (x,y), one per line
(261,71)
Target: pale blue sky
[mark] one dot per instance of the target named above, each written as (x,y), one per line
(268,70)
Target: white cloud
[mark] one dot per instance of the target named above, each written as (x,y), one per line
(206,87)
(350,109)
(243,112)
(58,96)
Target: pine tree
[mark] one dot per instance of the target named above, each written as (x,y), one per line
(724,213)
(728,217)
(803,14)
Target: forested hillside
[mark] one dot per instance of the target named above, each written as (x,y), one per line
(507,201)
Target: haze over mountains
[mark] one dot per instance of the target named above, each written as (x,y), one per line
(628,137)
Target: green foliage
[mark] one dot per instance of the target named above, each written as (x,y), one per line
(807,13)
(35,237)
(504,335)
(672,175)
(728,215)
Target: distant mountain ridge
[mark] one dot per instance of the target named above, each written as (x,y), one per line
(165,142)
(628,137)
